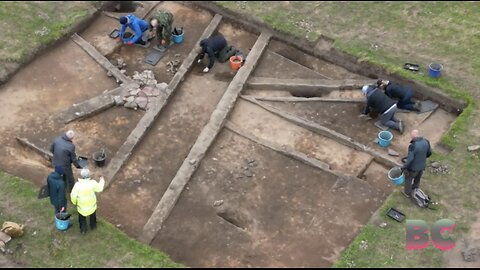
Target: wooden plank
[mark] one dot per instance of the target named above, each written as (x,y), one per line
(124,152)
(300,84)
(100,58)
(287,152)
(379,157)
(203,142)
(91,106)
(44,153)
(302,99)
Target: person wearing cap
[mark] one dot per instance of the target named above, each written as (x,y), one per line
(211,46)
(83,196)
(161,27)
(138,26)
(64,155)
(56,189)
(401,93)
(382,104)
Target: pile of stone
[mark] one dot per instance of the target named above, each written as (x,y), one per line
(144,78)
(142,93)
(438,168)
(172,66)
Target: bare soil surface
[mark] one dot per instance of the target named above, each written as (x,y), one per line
(276,211)
(148,173)
(285,215)
(270,127)
(343,118)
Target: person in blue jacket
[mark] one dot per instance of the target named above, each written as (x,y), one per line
(139,27)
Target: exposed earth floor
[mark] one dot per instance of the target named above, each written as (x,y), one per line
(247,204)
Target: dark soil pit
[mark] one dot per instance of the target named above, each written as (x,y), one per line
(286,214)
(156,160)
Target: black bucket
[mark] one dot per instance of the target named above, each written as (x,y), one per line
(99,158)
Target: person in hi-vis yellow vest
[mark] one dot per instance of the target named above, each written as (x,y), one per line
(83,196)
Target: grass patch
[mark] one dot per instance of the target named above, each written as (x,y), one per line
(43,245)
(29,25)
(460,125)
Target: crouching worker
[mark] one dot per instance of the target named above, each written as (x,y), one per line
(211,46)
(139,27)
(83,196)
(161,27)
(401,93)
(382,104)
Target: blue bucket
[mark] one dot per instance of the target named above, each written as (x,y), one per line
(61,225)
(178,38)
(435,70)
(396,176)
(384,138)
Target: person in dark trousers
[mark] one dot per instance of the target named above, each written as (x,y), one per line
(63,151)
(83,196)
(211,46)
(382,104)
(401,93)
(418,152)
(56,189)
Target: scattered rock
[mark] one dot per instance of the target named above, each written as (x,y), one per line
(218,203)
(119,101)
(134,92)
(123,71)
(192,161)
(392,152)
(438,168)
(214,159)
(109,74)
(383,225)
(137,181)
(142,102)
(130,105)
(248,173)
(118,225)
(363,245)
(473,148)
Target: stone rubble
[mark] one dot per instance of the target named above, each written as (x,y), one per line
(144,93)
(438,168)
(172,66)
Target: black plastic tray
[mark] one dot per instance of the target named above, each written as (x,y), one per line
(412,67)
(395,214)
(114,34)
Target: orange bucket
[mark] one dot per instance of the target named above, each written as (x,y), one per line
(236,62)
